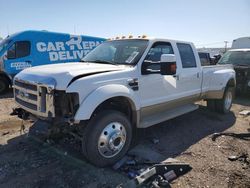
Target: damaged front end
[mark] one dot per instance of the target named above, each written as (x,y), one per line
(44,101)
(39,101)
(35,98)
(66,105)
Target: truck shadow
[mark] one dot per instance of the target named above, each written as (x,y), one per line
(177,135)
(34,162)
(7,94)
(242,100)
(26,161)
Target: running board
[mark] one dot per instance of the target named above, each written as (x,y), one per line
(170,114)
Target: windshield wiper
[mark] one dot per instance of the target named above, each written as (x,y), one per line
(102,61)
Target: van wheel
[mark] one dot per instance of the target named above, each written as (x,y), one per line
(4,85)
(107,138)
(224,105)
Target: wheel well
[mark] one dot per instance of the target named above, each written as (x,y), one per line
(121,104)
(2,75)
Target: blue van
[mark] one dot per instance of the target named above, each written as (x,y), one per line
(32,48)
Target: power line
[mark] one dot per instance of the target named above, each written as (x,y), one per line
(209,44)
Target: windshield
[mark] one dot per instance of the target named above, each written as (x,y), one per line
(117,52)
(3,44)
(236,58)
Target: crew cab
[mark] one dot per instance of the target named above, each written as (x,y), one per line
(120,86)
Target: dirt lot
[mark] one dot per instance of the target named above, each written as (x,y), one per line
(27,162)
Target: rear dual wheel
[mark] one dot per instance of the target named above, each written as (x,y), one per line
(107,138)
(222,105)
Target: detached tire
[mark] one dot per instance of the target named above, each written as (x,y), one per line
(224,105)
(4,85)
(107,138)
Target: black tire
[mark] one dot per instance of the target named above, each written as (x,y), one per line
(211,104)
(93,131)
(221,106)
(4,85)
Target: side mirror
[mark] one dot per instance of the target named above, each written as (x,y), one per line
(168,64)
(150,67)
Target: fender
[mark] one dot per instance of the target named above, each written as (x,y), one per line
(226,75)
(101,94)
(217,89)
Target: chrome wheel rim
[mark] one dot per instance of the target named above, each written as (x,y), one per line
(112,140)
(228,100)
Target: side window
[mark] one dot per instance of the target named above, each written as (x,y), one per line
(187,55)
(156,51)
(204,58)
(19,49)
(11,54)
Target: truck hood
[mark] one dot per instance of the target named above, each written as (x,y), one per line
(61,75)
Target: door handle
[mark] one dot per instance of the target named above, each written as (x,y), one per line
(198,75)
(28,61)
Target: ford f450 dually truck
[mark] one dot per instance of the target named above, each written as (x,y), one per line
(120,86)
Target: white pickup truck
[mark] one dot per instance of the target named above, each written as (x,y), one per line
(120,86)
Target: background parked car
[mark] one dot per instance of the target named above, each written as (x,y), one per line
(31,48)
(240,59)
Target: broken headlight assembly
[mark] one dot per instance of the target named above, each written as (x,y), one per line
(66,104)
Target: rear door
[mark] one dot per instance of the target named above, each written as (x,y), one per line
(189,77)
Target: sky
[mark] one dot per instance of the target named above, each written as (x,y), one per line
(207,23)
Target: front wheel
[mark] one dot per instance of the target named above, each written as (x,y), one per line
(4,85)
(224,105)
(107,138)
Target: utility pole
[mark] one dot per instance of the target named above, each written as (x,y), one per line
(226,45)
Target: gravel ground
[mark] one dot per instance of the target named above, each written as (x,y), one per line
(27,162)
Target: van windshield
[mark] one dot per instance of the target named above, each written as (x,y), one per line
(236,58)
(3,44)
(118,52)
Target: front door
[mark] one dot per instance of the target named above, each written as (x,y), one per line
(18,57)
(156,88)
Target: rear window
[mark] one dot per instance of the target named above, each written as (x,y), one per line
(19,49)
(187,55)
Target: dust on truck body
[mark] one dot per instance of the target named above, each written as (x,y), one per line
(120,86)
(32,48)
